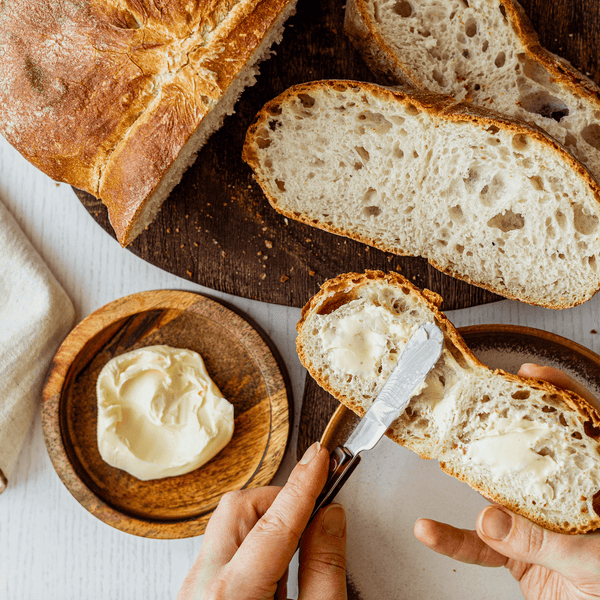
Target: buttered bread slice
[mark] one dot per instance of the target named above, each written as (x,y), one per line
(492,201)
(521,442)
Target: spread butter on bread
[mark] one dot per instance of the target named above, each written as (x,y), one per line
(521,442)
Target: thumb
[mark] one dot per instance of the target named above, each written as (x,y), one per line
(322,571)
(519,539)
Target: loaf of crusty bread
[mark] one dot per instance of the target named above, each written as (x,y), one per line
(521,442)
(490,200)
(485,51)
(116,97)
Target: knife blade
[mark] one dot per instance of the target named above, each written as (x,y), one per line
(419,356)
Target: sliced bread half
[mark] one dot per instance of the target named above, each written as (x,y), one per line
(485,51)
(521,442)
(484,198)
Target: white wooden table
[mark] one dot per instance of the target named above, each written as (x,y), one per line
(50,547)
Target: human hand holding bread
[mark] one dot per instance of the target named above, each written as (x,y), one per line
(547,565)
(253,534)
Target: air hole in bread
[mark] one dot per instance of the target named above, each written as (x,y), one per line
(456,214)
(544,104)
(545,451)
(576,435)
(493,141)
(397,151)
(507,221)
(460,249)
(562,420)
(500,59)
(369,195)
(306,100)
(537,183)
(560,218)
(465,54)
(274,109)
(358,166)
(484,48)
(280,184)
(274,124)
(371,211)
(412,110)
(439,78)
(402,8)
(435,53)
(362,152)
(583,222)
(521,395)
(593,263)
(471,27)
(502,10)
(263,142)
(520,142)
(591,134)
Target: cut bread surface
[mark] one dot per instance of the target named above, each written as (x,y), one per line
(486,199)
(484,51)
(523,443)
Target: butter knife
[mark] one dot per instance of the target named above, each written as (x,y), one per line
(419,356)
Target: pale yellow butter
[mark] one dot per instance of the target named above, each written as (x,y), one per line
(508,449)
(159,413)
(355,342)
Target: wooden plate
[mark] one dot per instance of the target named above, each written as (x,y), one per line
(411,488)
(240,361)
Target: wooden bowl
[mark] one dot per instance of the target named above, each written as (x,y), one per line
(239,360)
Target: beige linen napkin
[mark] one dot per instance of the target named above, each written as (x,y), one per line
(35,316)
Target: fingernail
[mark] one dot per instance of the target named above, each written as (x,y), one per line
(531,365)
(310,453)
(334,520)
(495,523)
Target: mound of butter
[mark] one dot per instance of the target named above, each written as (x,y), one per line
(159,413)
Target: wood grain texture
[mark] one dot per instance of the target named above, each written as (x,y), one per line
(238,360)
(324,418)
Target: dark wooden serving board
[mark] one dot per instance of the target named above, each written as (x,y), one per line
(217,228)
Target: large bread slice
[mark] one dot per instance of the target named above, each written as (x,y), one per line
(492,201)
(485,51)
(521,442)
(116,98)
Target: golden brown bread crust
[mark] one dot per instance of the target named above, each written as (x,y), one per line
(437,105)
(342,289)
(382,59)
(104,94)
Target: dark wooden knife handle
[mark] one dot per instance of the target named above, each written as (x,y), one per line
(341,465)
